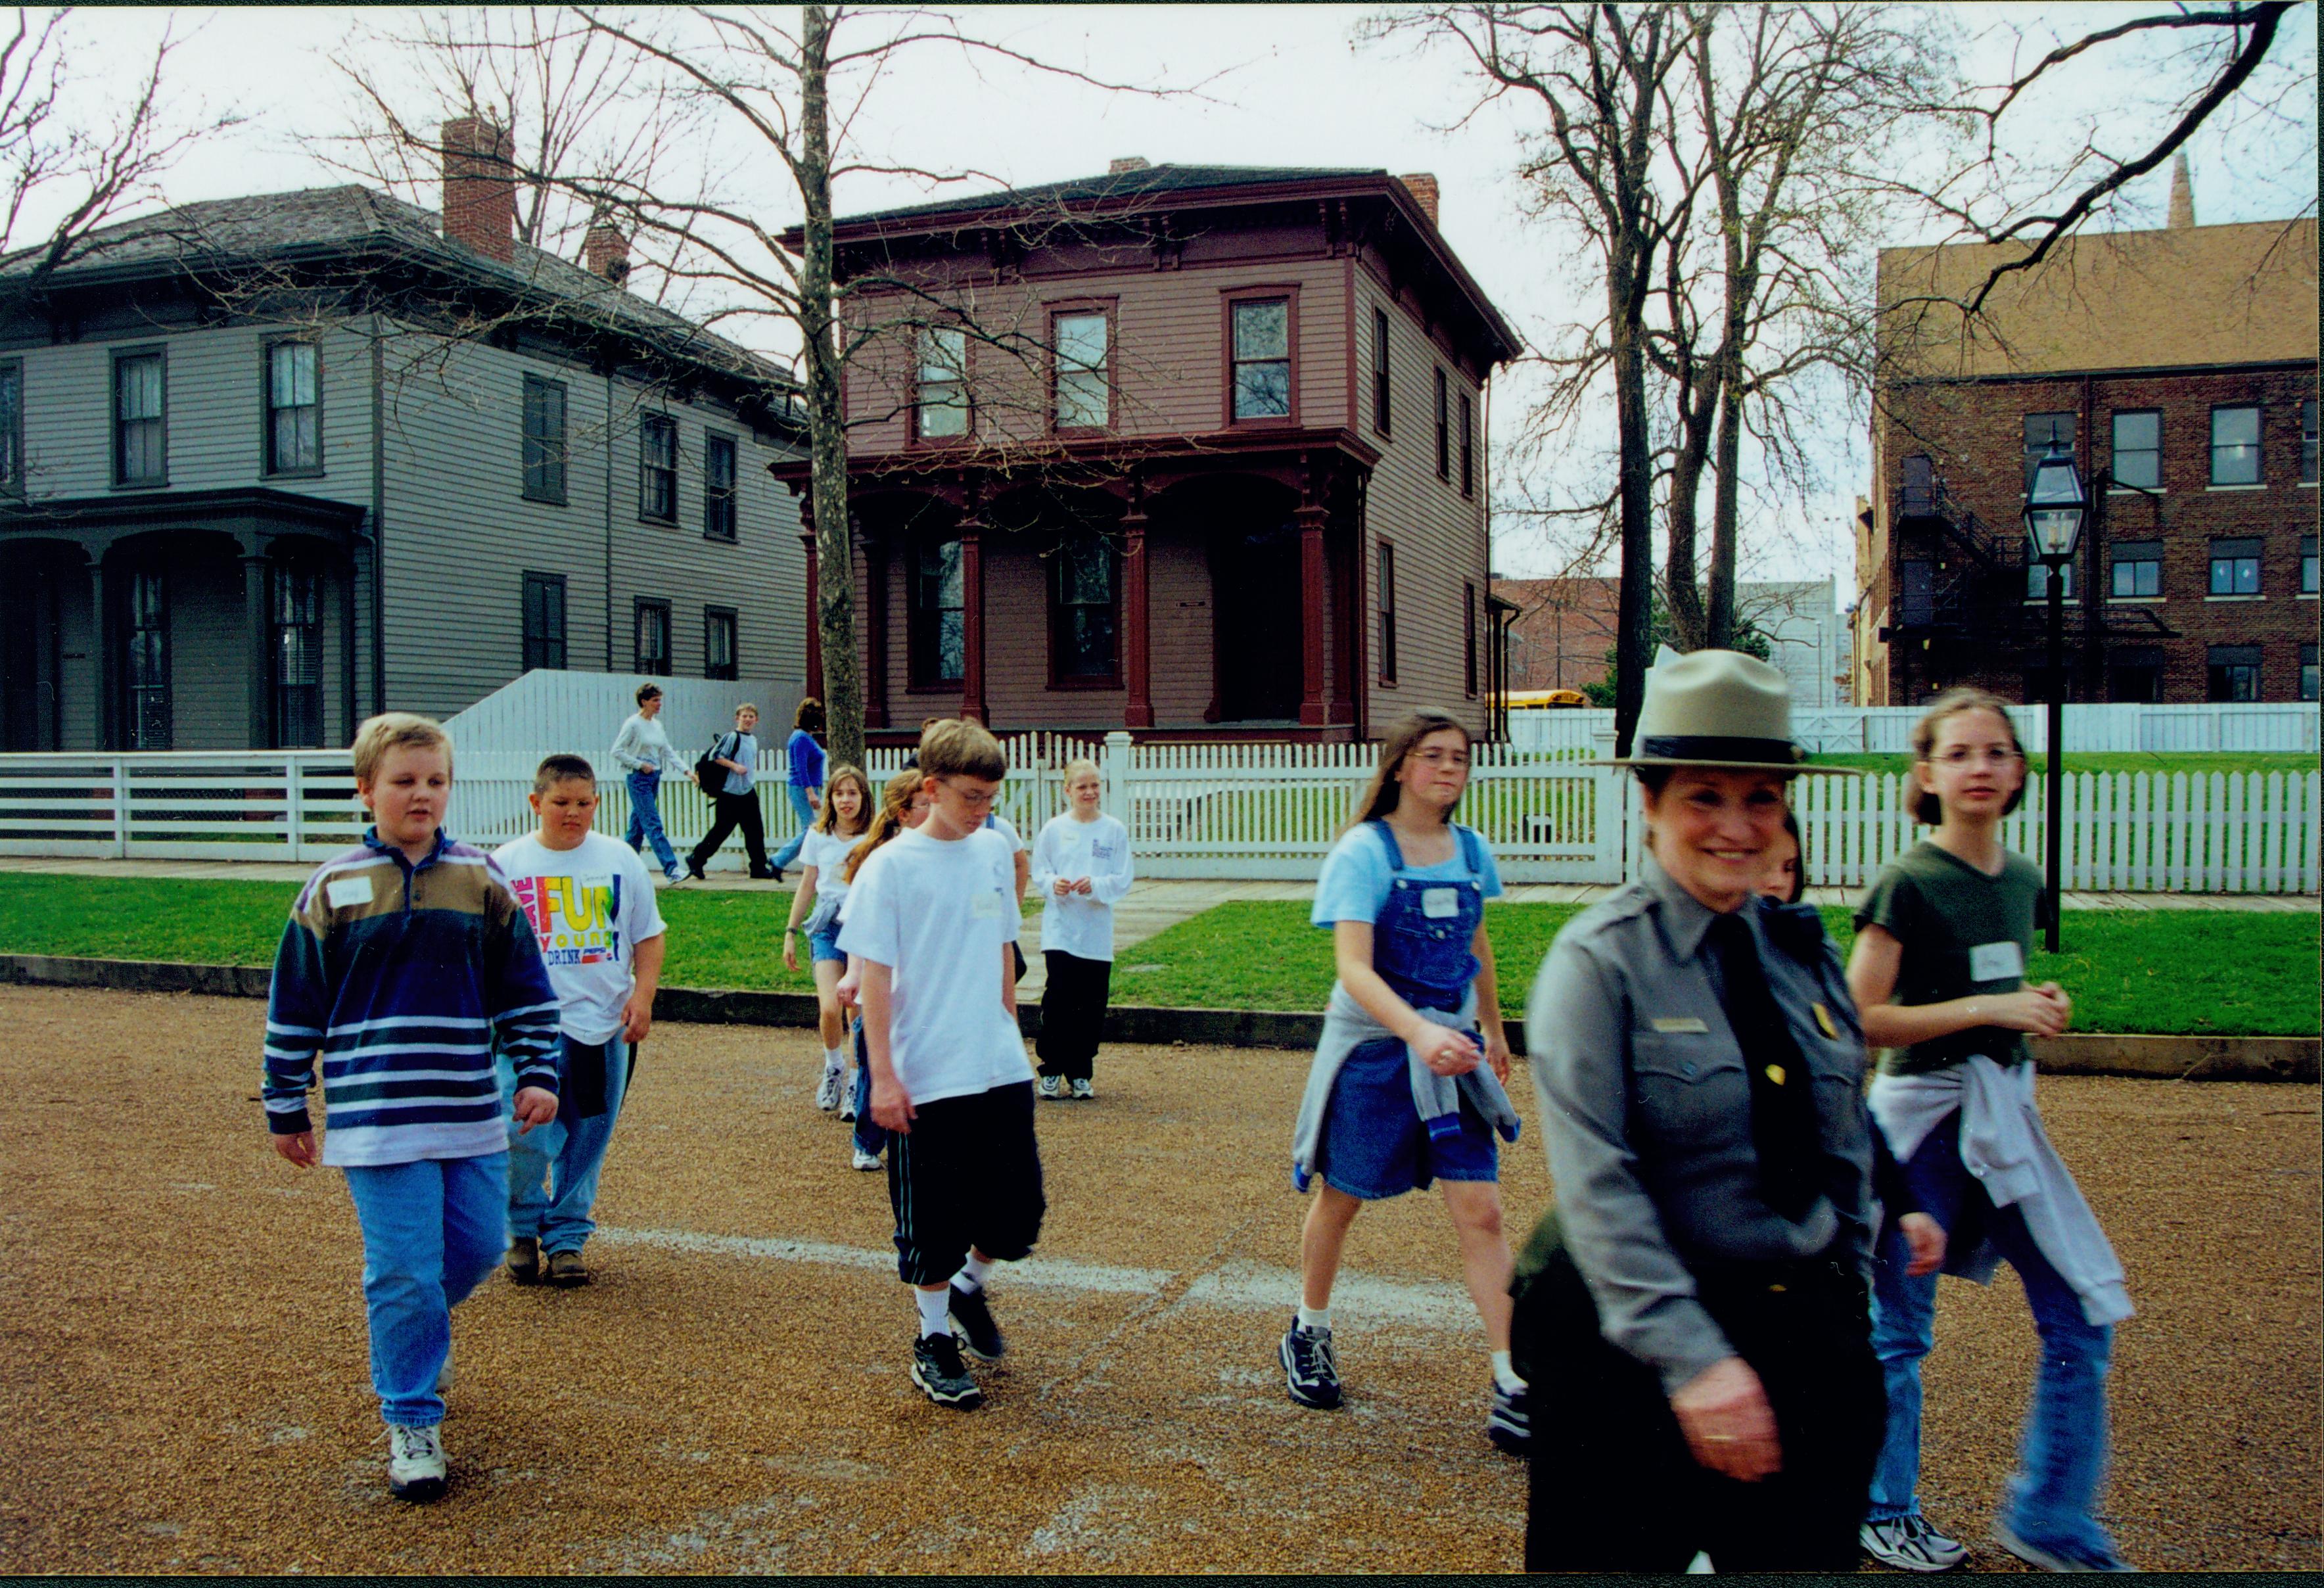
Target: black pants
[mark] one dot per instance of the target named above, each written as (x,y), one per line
(731,811)
(1072,1013)
(968,1173)
(1615,1488)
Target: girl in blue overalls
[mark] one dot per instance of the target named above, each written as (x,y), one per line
(1406,1086)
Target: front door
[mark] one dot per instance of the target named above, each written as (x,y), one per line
(31,657)
(1255,586)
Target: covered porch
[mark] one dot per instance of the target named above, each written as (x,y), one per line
(1203,594)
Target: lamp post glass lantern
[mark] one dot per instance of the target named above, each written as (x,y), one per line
(2056,507)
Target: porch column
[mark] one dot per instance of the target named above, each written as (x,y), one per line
(261,651)
(1313,711)
(875,633)
(972,617)
(100,639)
(813,620)
(1136,651)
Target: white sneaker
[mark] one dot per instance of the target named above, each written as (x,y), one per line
(867,1161)
(415,1464)
(1052,1087)
(1910,1544)
(847,1099)
(1084,1090)
(826,1096)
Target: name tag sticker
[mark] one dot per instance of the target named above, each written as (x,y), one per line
(1823,1021)
(1440,903)
(985,906)
(1679,1026)
(346,891)
(1995,962)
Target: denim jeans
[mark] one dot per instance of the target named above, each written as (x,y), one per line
(870,1136)
(568,1153)
(431,1231)
(2062,1453)
(787,854)
(645,820)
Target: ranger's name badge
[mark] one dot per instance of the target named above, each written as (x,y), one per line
(1679,1026)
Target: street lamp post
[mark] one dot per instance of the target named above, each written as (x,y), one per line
(2056,507)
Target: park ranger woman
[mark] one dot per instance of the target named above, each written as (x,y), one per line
(1692,1314)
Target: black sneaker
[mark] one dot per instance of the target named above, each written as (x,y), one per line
(942,1376)
(972,1316)
(1509,1425)
(1309,1373)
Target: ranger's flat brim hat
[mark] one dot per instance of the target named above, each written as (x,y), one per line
(1719,708)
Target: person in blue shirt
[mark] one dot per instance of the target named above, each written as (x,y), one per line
(1405,1084)
(806,787)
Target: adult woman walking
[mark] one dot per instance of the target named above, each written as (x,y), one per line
(806,762)
(1694,1323)
(643,752)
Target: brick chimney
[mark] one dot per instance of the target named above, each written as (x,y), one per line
(1127,163)
(479,187)
(2182,196)
(606,253)
(1422,187)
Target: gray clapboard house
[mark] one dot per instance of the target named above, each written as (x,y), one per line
(270,465)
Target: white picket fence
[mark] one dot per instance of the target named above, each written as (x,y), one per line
(2288,729)
(1196,811)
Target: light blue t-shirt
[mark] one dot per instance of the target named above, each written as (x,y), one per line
(1358,878)
(737,747)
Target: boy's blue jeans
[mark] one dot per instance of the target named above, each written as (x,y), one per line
(870,1136)
(567,1154)
(645,820)
(2062,1454)
(805,811)
(431,1231)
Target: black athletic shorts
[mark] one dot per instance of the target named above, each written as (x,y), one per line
(967,1174)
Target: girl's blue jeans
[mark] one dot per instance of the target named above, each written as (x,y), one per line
(2062,1451)
(787,854)
(645,820)
(431,1231)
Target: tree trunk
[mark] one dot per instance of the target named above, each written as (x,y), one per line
(1633,606)
(1682,593)
(1719,633)
(826,416)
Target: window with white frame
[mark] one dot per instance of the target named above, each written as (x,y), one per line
(1083,397)
(2138,450)
(940,406)
(2234,446)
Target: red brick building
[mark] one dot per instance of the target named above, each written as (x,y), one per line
(1184,450)
(1560,630)
(2178,368)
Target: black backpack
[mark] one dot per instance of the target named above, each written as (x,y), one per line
(707,767)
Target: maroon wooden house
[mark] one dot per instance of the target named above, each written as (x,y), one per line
(1193,451)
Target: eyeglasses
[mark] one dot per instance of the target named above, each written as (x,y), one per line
(1991,754)
(969,797)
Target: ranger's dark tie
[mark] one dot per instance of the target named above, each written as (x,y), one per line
(1784,1128)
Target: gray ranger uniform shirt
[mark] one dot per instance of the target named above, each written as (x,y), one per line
(1646,1113)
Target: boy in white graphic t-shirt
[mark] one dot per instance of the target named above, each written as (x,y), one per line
(591,904)
(933,916)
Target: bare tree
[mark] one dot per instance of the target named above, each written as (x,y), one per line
(67,164)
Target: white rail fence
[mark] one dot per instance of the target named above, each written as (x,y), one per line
(2288,729)
(1206,811)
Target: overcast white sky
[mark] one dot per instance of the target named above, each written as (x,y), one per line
(1286,86)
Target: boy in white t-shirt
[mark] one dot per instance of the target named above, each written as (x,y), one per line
(933,916)
(591,904)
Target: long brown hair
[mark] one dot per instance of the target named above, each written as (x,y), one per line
(895,800)
(1382,793)
(1926,808)
(826,819)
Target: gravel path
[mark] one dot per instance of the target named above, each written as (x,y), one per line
(186,1389)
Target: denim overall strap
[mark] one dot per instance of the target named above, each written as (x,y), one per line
(1426,957)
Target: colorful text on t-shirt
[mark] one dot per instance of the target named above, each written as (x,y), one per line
(577,920)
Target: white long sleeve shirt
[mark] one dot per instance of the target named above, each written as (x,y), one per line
(643,746)
(1079,924)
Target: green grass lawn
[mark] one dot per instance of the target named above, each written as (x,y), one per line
(2228,973)
(2172,972)
(2193,763)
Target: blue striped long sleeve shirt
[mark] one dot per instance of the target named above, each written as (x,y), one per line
(400,979)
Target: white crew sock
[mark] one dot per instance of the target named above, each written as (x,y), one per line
(1315,1320)
(1504,1375)
(973,1272)
(934,1306)
(835,1059)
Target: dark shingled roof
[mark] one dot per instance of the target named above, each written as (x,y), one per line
(320,222)
(1148,181)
